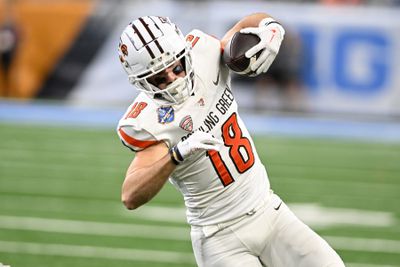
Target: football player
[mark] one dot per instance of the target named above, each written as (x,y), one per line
(184,126)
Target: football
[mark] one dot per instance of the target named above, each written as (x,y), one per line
(234,53)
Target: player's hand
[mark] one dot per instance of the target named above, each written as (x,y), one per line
(198,141)
(271,36)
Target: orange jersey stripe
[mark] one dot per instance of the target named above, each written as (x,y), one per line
(134,142)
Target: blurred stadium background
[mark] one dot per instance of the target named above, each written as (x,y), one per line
(326,120)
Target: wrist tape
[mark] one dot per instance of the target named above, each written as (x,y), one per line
(268,21)
(176,156)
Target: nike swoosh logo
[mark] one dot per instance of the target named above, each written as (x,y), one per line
(277,208)
(217,81)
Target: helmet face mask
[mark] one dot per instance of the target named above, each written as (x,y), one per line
(148,46)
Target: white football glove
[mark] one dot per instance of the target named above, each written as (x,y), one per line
(198,141)
(271,35)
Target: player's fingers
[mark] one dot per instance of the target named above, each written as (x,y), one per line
(209,147)
(266,64)
(213,141)
(205,138)
(254,50)
(260,60)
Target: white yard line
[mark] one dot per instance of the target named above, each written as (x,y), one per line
(96,252)
(313,214)
(113,253)
(159,214)
(368,265)
(364,244)
(94,228)
(320,217)
(167,232)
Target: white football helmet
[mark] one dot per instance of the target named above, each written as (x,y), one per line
(149,45)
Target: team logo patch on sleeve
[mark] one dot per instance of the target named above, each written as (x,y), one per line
(165,115)
(186,123)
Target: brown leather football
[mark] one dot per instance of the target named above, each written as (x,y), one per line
(235,49)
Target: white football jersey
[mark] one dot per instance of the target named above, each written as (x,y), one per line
(217,186)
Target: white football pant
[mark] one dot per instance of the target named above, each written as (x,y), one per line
(272,236)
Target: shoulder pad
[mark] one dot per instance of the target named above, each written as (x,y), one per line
(200,40)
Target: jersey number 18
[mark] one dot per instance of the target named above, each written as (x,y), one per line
(238,145)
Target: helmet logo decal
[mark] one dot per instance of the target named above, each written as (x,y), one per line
(124,49)
(123,52)
(165,114)
(186,123)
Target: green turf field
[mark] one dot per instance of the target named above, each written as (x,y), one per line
(60,190)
